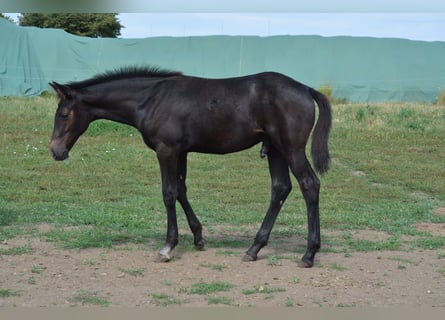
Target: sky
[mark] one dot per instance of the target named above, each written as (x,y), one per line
(414,26)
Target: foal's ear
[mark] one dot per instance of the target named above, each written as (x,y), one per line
(63,92)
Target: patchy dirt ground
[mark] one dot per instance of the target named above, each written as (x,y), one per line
(129,276)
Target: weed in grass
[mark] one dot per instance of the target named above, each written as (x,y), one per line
(164,300)
(204,288)
(269,296)
(227,242)
(90,298)
(263,290)
(133,272)
(220,300)
(441,271)
(401,267)
(8,233)
(430,242)
(360,114)
(392,243)
(168,282)
(182,290)
(248,292)
(5,293)
(296,280)
(228,253)
(32,280)
(406,113)
(90,262)
(346,305)
(441,98)
(218,267)
(274,260)
(335,266)
(326,89)
(289,302)
(403,260)
(82,238)
(36,269)
(7,217)
(19,250)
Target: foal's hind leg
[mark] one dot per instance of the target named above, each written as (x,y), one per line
(310,187)
(192,219)
(281,186)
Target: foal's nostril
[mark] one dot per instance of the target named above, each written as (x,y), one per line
(59,156)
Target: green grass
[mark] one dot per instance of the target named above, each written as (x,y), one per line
(362,245)
(18,250)
(441,98)
(274,260)
(134,272)
(36,269)
(164,300)
(6,293)
(218,267)
(259,289)
(108,192)
(289,302)
(204,288)
(220,300)
(403,260)
(335,266)
(90,298)
(32,280)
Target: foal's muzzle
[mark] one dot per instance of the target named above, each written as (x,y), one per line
(58,152)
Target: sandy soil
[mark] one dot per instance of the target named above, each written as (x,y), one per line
(129,276)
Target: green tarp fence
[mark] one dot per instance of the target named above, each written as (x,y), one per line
(358,69)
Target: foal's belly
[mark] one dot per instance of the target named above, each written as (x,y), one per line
(226,144)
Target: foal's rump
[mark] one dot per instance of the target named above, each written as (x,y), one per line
(288,113)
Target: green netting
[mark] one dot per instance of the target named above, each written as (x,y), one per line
(358,69)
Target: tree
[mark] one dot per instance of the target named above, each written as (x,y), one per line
(93,25)
(6,17)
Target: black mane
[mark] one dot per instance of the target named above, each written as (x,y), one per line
(125,73)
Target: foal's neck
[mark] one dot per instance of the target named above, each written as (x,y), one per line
(117,105)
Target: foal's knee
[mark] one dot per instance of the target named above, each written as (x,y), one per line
(169,195)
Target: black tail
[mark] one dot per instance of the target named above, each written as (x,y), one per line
(320,136)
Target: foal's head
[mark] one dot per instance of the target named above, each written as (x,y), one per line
(71,120)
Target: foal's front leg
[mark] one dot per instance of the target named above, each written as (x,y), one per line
(168,162)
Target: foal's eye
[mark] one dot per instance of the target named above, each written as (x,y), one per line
(64,114)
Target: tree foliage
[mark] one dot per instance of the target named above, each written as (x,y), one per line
(93,25)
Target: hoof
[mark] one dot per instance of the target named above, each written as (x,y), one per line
(306,263)
(249,258)
(163,257)
(200,246)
